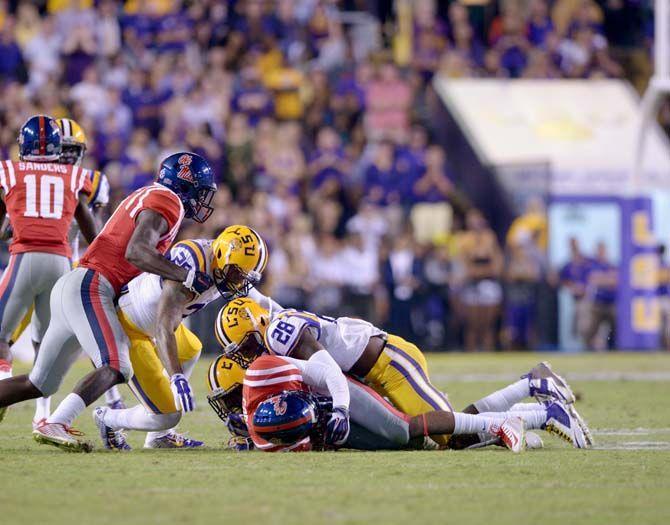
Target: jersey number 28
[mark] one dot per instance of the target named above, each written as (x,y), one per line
(51,197)
(282,333)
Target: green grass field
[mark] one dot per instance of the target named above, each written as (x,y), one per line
(626,479)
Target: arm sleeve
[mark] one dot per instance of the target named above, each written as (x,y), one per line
(321,371)
(266,302)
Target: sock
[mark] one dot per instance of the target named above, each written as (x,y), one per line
(520,407)
(5,369)
(533,419)
(42,408)
(68,410)
(137,418)
(112,395)
(475,424)
(502,400)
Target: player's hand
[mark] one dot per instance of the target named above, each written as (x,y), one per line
(236,425)
(337,430)
(198,282)
(241,444)
(183,395)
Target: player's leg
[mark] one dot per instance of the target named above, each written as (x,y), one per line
(401,374)
(45,270)
(373,413)
(88,300)
(15,300)
(156,411)
(25,323)
(541,382)
(188,349)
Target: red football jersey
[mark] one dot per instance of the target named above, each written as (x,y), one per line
(41,198)
(107,253)
(268,376)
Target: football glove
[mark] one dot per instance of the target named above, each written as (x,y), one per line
(337,429)
(236,425)
(198,282)
(241,444)
(183,395)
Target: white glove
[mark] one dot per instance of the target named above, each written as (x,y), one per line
(183,395)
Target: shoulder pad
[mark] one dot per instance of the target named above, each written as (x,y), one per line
(284,331)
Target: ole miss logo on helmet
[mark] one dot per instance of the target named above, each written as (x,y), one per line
(279,405)
(185,172)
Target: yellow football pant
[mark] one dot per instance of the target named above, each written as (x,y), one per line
(401,375)
(25,322)
(150,383)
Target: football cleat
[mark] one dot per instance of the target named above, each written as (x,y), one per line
(512,433)
(61,436)
(533,441)
(111,439)
(546,385)
(588,437)
(563,425)
(38,422)
(173,440)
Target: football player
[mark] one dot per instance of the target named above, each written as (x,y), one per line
(242,327)
(73,149)
(396,369)
(41,198)
(151,312)
(134,239)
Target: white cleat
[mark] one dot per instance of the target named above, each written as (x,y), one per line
(111,439)
(38,422)
(588,437)
(561,423)
(61,436)
(512,433)
(547,385)
(533,441)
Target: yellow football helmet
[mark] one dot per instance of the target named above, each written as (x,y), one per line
(73,140)
(225,378)
(240,256)
(240,329)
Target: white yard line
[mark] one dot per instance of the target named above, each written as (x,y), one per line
(634,445)
(574,376)
(629,431)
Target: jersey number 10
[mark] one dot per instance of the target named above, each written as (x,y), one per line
(49,208)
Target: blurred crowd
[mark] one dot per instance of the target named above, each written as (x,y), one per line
(314,115)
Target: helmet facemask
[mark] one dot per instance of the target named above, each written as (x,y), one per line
(200,209)
(225,402)
(246,351)
(72,154)
(233,282)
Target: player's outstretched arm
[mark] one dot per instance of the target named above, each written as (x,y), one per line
(87,224)
(170,307)
(142,252)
